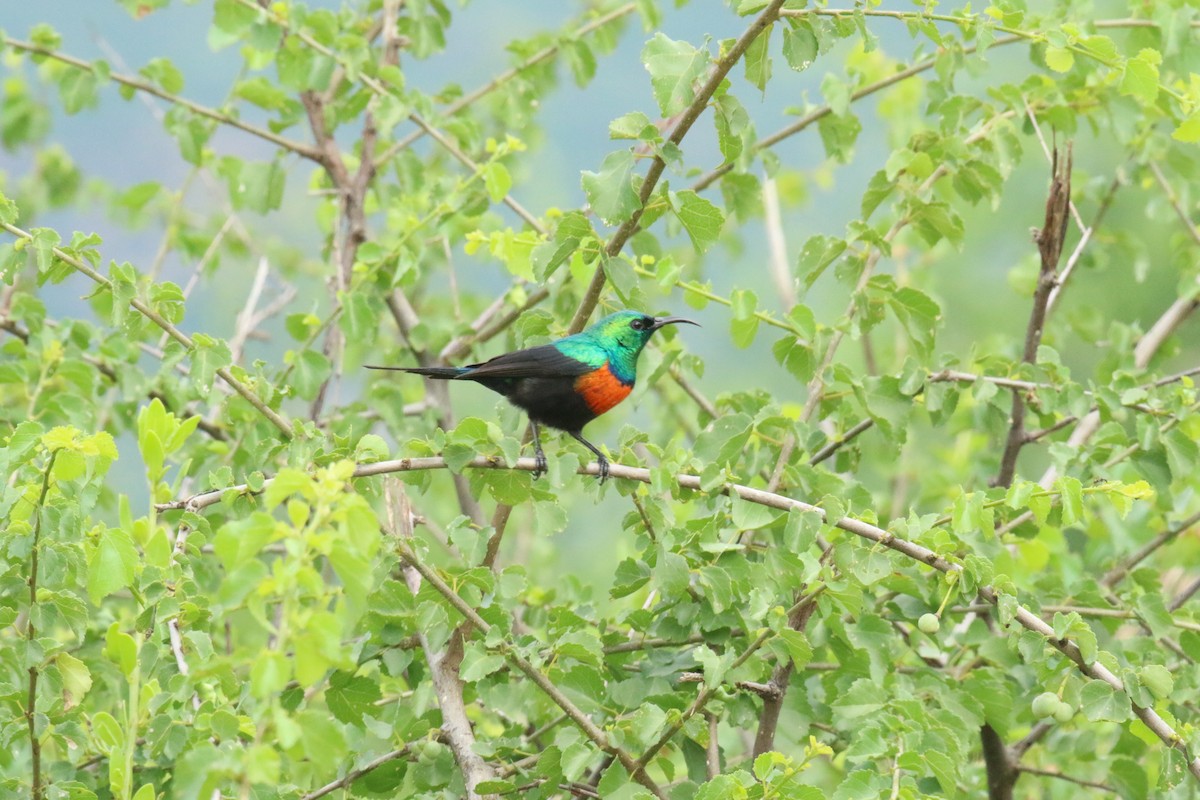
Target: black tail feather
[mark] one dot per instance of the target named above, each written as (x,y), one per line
(443,373)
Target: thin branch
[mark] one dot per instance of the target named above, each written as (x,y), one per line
(1105,204)
(1185,595)
(1175,202)
(1149,343)
(149,313)
(35,744)
(1127,565)
(819,113)
(305,150)
(354,774)
(615,244)
(837,444)
(1046,773)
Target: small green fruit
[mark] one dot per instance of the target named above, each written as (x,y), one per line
(929,623)
(1045,705)
(1064,713)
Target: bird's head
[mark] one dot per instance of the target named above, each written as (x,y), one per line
(629,331)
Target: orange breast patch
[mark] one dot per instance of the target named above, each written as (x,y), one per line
(601,390)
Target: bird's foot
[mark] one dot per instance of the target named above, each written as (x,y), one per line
(602,463)
(539,464)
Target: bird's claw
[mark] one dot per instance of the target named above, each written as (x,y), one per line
(602,464)
(539,465)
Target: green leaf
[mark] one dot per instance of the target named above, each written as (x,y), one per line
(208,355)
(360,316)
(800,45)
(107,730)
(701,219)
(757,59)
(675,68)
(497,181)
(478,663)
(1059,59)
(371,447)
(610,191)
(1157,679)
(634,125)
(817,254)
(920,316)
(1139,78)
(9,213)
(1188,131)
(1101,703)
(76,678)
(112,562)
(1071,498)
(165,74)
(798,647)
(349,697)
(121,649)
(724,442)
(312,369)
(733,125)
(744,324)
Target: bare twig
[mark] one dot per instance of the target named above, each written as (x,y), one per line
(777,258)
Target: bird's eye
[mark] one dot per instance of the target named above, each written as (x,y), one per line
(638,324)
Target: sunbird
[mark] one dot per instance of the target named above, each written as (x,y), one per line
(568,383)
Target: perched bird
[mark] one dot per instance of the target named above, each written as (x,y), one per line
(568,383)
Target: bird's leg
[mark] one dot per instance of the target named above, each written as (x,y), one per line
(601,461)
(539,458)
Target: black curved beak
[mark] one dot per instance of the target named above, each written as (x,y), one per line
(658,323)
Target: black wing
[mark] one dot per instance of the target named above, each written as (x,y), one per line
(544,361)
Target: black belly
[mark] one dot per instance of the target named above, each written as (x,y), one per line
(548,401)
